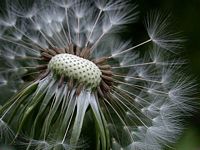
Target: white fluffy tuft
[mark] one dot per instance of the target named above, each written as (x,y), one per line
(150,91)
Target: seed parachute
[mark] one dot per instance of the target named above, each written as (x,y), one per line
(68,81)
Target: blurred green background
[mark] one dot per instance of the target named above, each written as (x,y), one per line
(186,14)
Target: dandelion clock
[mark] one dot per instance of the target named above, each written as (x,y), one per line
(68,81)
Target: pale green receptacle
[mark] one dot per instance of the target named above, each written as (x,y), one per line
(80,69)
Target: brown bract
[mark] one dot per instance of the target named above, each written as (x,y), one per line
(106,78)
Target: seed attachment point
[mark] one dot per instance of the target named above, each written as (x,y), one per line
(77,68)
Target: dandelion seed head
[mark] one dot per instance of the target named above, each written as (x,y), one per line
(79,80)
(77,68)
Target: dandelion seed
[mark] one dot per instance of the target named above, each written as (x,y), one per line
(78,86)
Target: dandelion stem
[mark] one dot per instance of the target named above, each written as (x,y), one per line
(27,37)
(134,47)
(16,43)
(64,33)
(91,32)
(95,44)
(122,121)
(136,96)
(134,65)
(59,39)
(78,32)
(136,78)
(128,108)
(67,20)
(140,87)
(43,34)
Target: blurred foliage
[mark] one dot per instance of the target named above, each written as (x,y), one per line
(190,141)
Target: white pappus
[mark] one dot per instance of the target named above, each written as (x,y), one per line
(68,81)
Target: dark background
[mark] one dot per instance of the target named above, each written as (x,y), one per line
(186,14)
